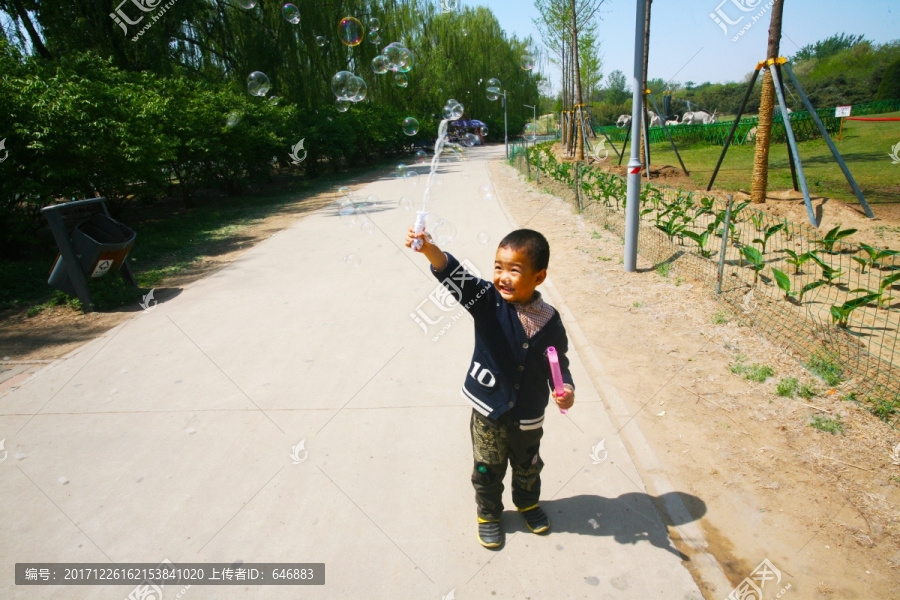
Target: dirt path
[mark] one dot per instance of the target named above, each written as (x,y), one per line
(822,508)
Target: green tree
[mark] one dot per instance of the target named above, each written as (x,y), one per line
(617,90)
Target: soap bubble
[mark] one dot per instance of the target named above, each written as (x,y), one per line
(483,237)
(401,171)
(258,83)
(529,49)
(493,89)
(401,79)
(453,109)
(405,203)
(445,232)
(347,86)
(530,132)
(410,126)
(367,226)
(374,38)
(343,192)
(484,131)
(361,89)
(421,157)
(392,54)
(291,13)
(348,214)
(412,178)
(234,117)
(342,104)
(247,4)
(352,260)
(469,140)
(350,31)
(320,40)
(379,64)
(374,25)
(527,62)
(465,32)
(404,60)
(484,191)
(439,180)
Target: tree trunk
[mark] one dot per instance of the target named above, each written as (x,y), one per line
(766,106)
(32,32)
(579,133)
(645,116)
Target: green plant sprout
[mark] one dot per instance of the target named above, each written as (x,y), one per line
(701,239)
(833,236)
(767,234)
(796,260)
(840,314)
(828,271)
(753,256)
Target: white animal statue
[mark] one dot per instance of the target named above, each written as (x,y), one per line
(654,118)
(751,135)
(672,122)
(623,121)
(699,117)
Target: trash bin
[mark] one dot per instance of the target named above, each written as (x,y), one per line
(101,245)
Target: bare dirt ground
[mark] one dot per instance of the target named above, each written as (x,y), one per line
(823,508)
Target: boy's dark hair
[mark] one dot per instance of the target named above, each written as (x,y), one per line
(532,243)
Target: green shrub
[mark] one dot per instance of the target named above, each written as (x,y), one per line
(827,366)
(787,387)
(827,424)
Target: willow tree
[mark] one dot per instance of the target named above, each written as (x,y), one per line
(562,21)
(766,108)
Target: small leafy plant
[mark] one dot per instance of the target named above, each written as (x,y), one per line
(787,387)
(796,260)
(827,424)
(768,233)
(827,366)
(701,239)
(833,236)
(755,258)
(840,314)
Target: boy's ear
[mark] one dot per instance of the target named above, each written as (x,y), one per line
(539,277)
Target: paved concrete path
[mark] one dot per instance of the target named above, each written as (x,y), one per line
(171,436)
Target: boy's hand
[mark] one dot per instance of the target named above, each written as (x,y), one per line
(565,401)
(435,255)
(425,237)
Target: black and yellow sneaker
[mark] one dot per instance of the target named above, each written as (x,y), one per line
(490,535)
(535,518)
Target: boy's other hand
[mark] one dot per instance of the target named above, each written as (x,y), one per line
(565,401)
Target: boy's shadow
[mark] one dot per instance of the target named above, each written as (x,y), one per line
(630,518)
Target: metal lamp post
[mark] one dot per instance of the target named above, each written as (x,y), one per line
(633,209)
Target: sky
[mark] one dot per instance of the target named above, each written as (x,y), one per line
(686,44)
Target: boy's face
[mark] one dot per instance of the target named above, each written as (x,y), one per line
(514,277)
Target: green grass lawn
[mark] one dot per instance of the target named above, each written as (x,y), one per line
(865,147)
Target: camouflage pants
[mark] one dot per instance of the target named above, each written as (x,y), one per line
(494,443)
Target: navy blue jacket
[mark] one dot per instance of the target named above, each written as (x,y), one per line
(509,372)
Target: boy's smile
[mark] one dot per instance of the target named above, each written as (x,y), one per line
(514,277)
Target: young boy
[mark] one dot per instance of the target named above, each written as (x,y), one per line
(509,379)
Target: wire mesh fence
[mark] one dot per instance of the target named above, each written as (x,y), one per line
(830,301)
